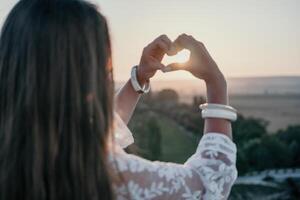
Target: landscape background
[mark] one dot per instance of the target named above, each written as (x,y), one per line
(258,43)
(167,126)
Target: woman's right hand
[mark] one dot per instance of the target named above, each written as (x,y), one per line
(200,64)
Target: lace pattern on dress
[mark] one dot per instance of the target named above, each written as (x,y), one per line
(207,174)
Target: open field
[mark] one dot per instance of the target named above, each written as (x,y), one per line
(274,99)
(279,110)
(176,145)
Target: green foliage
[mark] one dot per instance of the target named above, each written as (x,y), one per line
(265,153)
(147,136)
(177,145)
(259,150)
(291,138)
(246,129)
(242,162)
(154,139)
(169,131)
(160,138)
(166,103)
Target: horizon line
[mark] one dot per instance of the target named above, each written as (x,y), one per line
(230,77)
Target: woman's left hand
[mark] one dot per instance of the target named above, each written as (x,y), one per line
(152,57)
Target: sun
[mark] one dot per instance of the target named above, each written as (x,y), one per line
(181,57)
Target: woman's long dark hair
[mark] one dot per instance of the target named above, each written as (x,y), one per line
(55,102)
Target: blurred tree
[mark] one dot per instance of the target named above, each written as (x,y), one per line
(291,137)
(147,98)
(266,153)
(154,139)
(256,146)
(246,129)
(167,95)
(257,149)
(279,151)
(147,136)
(197,100)
(242,162)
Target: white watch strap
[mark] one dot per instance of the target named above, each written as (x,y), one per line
(135,84)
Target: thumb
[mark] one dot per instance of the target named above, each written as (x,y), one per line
(159,66)
(173,67)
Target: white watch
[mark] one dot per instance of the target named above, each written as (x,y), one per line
(135,84)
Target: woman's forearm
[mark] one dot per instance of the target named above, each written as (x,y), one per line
(153,53)
(126,100)
(217,93)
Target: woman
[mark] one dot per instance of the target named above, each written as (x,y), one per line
(56,112)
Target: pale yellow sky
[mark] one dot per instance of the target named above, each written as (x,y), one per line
(245,37)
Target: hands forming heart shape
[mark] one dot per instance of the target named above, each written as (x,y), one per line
(181,57)
(199,63)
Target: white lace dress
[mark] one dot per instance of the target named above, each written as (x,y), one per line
(208,174)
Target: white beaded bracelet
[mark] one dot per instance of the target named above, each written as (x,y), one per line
(218,111)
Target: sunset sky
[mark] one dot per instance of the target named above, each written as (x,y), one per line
(245,37)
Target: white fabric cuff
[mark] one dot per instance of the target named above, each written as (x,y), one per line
(123,135)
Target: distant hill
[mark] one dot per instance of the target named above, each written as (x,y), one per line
(236,86)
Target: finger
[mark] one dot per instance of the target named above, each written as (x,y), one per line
(152,48)
(155,64)
(172,50)
(171,47)
(159,66)
(197,43)
(173,67)
(184,42)
(165,39)
(163,46)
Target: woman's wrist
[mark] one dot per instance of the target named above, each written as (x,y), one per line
(141,79)
(216,89)
(217,93)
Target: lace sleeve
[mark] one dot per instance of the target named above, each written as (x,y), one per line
(207,174)
(123,136)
